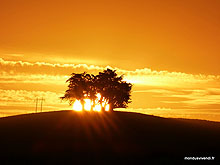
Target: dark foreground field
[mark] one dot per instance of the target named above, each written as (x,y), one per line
(68,137)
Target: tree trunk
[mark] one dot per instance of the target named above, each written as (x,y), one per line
(110,107)
(92,106)
(83,104)
(103,109)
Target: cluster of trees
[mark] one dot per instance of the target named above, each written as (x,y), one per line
(112,88)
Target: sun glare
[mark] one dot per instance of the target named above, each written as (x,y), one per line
(99,96)
(91,105)
(77,106)
(107,107)
(97,107)
(88,104)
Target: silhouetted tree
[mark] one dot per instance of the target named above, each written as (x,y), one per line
(111,87)
(80,86)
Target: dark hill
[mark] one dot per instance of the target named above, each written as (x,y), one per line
(105,138)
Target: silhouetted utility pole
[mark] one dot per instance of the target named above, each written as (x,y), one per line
(36,105)
(41,105)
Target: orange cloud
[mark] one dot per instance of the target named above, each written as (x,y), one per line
(22,81)
(144,76)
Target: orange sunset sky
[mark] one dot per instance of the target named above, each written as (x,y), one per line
(168,49)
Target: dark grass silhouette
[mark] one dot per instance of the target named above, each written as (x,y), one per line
(105,138)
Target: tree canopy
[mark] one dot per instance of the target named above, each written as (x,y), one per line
(108,84)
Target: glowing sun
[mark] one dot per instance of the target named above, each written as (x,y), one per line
(89,105)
